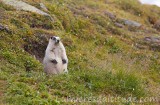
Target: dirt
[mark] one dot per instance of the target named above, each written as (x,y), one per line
(37,47)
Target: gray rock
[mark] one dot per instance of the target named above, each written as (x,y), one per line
(43,6)
(4,28)
(20,5)
(152,39)
(119,25)
(153,42)
(110,15)
(131,23)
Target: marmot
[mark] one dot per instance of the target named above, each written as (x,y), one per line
(55,60)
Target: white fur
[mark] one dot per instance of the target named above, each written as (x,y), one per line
(55,52)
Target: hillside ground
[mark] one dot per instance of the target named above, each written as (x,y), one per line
(104,60)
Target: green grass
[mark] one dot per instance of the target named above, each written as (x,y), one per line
(103,60)
(37,88)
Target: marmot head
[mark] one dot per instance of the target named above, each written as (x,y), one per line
(55,40)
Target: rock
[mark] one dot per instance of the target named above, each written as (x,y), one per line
(140,46)
(131,23)
(152,39)
(153,42)
(4,28)
(110,15)
(20,5)
(119,25)
(43,6)
(157,25)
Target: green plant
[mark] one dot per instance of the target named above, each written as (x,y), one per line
(114,49)
(131,6)
(124,84)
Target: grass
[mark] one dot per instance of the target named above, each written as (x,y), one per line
(36,87)
(103,60)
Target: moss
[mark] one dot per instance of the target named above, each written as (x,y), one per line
(6,7)
(37,21)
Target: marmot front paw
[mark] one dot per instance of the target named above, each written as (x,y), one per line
(54,61)
(64,61)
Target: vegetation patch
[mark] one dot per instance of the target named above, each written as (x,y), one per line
(104,59)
